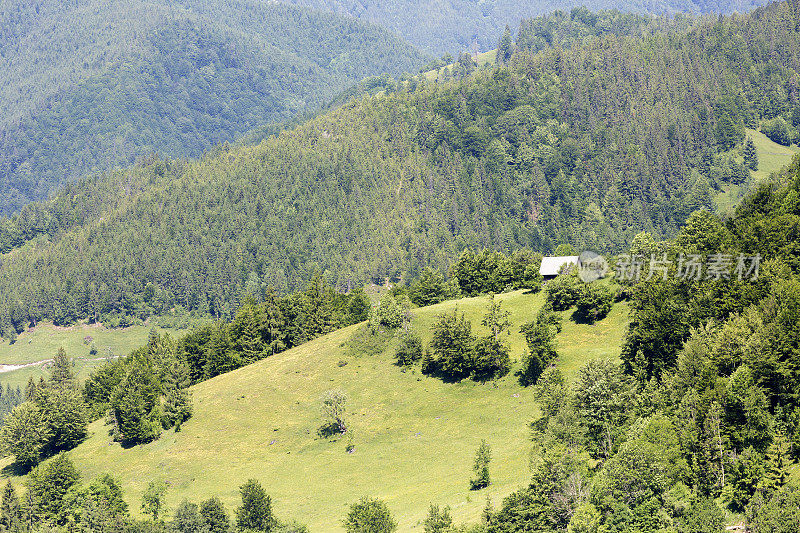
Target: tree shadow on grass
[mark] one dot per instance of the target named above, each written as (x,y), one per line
(15,469)
(330,430)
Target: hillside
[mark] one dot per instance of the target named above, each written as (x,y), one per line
(414,436)
(772,158)
(93,84)
(452,26)
(41,343)
(533,153)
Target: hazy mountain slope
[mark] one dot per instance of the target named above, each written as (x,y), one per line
(91,84)
(588,146)
(440,26)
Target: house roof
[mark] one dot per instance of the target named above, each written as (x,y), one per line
(552,265)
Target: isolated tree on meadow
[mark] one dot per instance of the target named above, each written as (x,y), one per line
(334,406)
(481,467)
(750,154)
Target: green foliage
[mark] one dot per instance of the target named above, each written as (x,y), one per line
(369,515)
(602,396)
(409,351)
(779,514)
(540,337)
(390,312)
(551,391)
(505,48)
(334,407)
(430,288)
(585,520)
(215,516)
(136,405)
(564,291)
(99,103)
(750,154)
(25,433)
(153,499)
(594,302)
(490,358)
(47,485)
(438,519)
(505,159)
(188,519)
(452,345)
(778,131)
(10,509)
(483,456)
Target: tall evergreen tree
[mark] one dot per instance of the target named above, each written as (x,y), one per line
(505,48)
(750,154)
(10,511)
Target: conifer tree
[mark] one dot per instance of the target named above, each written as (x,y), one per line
(481,467)
(778,461)
(10,512)
(750,154)
(62,375)
(505,48)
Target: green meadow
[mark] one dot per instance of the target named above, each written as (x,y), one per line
(772,157)
(414,436)
(43,341)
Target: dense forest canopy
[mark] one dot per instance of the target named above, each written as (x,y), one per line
(452,26)
(584,145)
(92,84)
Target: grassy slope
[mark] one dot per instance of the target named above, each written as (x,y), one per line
(772,157)
(484,58)
(415,437)
(43,341)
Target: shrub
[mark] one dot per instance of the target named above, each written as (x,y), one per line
(452,345)
(778,131)
(541,350)
(334,405)
(563,292)
(369,515)
(438,520)
(594,303)
(390,312)
(490,358)
(410,349)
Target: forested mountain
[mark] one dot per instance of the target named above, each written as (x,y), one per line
(587,145)
(453,26)
(89,84)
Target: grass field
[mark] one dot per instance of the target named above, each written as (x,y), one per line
(414,436)
(42,343)
(772,157)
